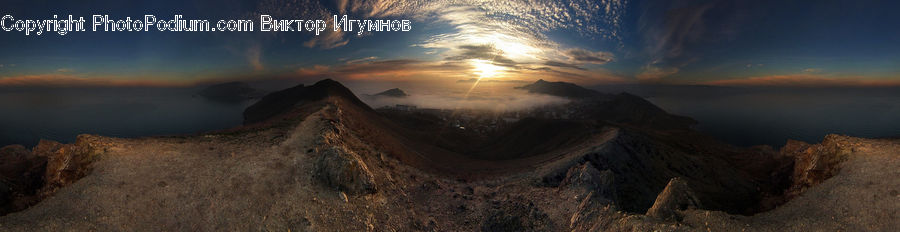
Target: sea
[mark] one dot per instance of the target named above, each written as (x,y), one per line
(747,116)
(60,114)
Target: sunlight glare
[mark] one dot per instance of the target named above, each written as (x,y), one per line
(484,69)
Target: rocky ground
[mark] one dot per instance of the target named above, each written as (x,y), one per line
(328,165)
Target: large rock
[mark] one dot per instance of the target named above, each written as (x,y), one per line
(676,197)
(589,178)
(26,176)
(344,170)
(66,163)
(815,163)
(46,148)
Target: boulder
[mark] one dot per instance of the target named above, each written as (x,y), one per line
(343,170)
(585,176)
(676,197)
(26,176)
(46,148)
(815,163)
(66,163)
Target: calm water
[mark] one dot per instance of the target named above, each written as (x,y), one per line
(748,116)
(62,114)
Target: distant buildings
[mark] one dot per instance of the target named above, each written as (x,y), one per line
(405,107)
(486,121)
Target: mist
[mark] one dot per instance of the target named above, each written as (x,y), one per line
(492,96)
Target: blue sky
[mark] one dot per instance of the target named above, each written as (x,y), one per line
(807,43)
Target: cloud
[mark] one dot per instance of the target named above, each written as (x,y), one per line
(399,69)
(412,70)
(305,9)
(805,80)
(328,39)
(599,19)
(655,73)
(507,99)
(362,60)
(585,56)
(678,33)
(678,28)
(483,52)
(254,54)
(473,80)
(342,6)
(471,18)
(562,65)
(511,34)
(313,71)
(812,70)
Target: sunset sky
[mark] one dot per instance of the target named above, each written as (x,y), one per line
(832,43)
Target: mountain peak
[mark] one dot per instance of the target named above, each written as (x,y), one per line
(285,100)
(560,89)
(395,92)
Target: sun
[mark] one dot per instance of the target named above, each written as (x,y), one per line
(484,69)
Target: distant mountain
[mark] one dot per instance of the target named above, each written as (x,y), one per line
(664,90)
(623,108)
(395,92)
(230,92)
(561,89)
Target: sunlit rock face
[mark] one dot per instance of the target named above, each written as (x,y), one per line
(343,170)
(814,163)
(676,197)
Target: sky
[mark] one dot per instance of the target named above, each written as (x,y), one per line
(730,43)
